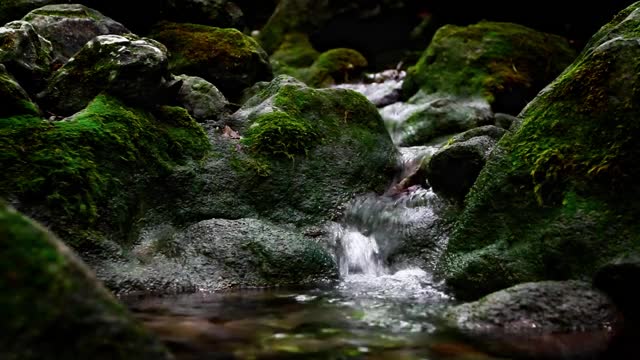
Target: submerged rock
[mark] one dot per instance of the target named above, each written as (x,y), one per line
(15,9)
(227,58)
(53,307)
(504,63)
(559,196)
(550,320)
(70,26)
(129,67)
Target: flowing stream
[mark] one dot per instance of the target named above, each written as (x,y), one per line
(377,311)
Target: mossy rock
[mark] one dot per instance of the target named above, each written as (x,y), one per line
(507,64)
(295,51)
(15,101)
(26,54)
(218,254)
(87,176)
(558,197)
(227,58)
(132,68)
(70,26)
(335,66)
(327,144)
(52,305)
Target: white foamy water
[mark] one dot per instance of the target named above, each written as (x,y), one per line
(360,254)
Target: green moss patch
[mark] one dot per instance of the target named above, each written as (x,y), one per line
(82,168)
(505,63)
(226,57)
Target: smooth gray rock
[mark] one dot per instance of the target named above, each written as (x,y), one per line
(70,26)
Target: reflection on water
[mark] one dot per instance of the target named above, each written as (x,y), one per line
(365,317)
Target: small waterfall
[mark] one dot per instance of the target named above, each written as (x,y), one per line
(360,254)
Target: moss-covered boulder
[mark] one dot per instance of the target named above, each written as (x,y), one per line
(218,254)
(335,66)
(310,150)
(26,54)
(129,67)
(201,98)
(227,58)
(295,51)
(559,196)
(88,176)
(70,26)
(544,320)
(53,307)
(507,64)
(15,101)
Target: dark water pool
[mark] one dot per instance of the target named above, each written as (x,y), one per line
(365,317)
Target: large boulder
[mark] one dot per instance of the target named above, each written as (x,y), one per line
(227,58)
(218,254)
(53,307)
(70,26)
(504,63)
(26,54)
(559,196)
(129,67)
(327,144)
(15,101)
(89,176)
(548,320)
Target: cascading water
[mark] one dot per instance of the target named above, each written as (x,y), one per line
(374,226)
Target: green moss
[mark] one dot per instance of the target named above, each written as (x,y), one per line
(332,67)
(558,199)
(502,62)
(226,57)
(296,51)
(45,293)
(82,168)
(279,134)
(197,43)
(328,144)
